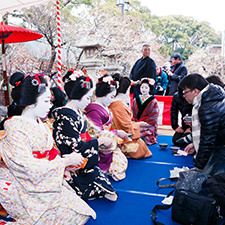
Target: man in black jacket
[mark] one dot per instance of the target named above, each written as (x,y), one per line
(182,136)
(208,122)
(177,73)
(144,67)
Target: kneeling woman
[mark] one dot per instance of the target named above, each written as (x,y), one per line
(32,175)
(112,160)
(146,110)
(122,119)
(68,126)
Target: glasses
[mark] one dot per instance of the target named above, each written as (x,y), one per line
(185,92)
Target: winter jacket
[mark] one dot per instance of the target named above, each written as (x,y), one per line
(211,151)
(179,71)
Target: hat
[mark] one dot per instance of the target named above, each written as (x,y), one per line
(176,55)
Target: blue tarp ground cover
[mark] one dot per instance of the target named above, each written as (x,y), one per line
(138,192)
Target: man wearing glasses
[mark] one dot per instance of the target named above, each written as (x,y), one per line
(208,122)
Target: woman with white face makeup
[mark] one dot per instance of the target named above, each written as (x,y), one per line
(34,190)
(69,126)
(146,111)
(112,160)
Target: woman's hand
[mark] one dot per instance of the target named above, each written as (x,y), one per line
(73,159)
(105,141)
(190,149)
(179,130)
(143,124)
(122,134)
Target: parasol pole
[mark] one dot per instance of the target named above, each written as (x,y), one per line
(5,85)
(59,44)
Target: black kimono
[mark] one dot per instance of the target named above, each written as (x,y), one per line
(89,182)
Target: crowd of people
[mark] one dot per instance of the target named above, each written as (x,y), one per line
(59,148)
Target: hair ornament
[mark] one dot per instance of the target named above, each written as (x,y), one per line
(150,80)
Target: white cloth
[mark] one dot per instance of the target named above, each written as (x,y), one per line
(196,126)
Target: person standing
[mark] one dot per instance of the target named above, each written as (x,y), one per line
(145,66)
(177,73)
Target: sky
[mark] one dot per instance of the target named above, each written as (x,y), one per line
(211,11)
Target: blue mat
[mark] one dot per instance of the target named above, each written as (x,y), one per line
(130,209)
(138,192)
(166,156)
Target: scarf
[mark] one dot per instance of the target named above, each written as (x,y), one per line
(196,126)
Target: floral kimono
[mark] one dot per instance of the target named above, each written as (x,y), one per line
(88,182)
(112,160)
(33,190)
(147,111)
(122,120)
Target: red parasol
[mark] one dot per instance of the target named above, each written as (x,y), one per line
(13,34)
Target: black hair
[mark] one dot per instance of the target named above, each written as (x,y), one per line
(124,83)
(103,88)
(78,87)
(215,80)
(193,81)
(26,88)
(59,99)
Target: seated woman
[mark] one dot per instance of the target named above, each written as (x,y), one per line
(112,160)
(33,190)
(122,120)
(68,126)
(146,110)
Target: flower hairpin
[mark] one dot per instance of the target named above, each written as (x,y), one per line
(150,80)
(110,81)
(86,83)
(75,74)
(36,80)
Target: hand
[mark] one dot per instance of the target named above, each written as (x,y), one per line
(170,73)
(190,149)
(188,130)
(105,141)
(122,134)
(73,159)
(143,124)
(179,130)
(160,88)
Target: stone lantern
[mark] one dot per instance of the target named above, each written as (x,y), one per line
(91,57)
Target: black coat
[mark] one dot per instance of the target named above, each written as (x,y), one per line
(179,104)
(179,71)
(211,152)
(144,67)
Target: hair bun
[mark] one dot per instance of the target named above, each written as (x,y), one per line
(67,75)
(117,77)
(16,77)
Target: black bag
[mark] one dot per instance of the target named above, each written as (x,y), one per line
(189,208)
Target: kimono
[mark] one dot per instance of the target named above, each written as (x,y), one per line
(89,182)
(112,160)
(147,111)
(122,120)
(32,190)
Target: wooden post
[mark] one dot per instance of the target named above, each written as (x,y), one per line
(5,85)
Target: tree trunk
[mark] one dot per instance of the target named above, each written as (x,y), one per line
(52,60)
